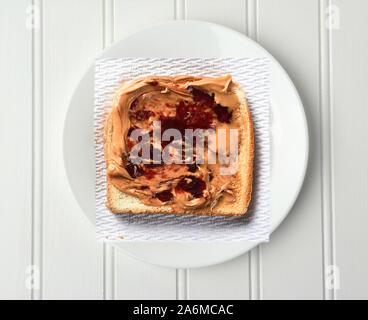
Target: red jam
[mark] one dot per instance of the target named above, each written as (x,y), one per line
(134,170)
(223,114)
(192,167)
(133,104)
(164,196)
(143,114)
(200,96)
(196,115)
(149,174)
(195,186)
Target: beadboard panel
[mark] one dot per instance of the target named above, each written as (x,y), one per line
(231,14)
(229,280)
(350,149)
(72,258)
(16,161)
(289,30)
(132,15)
(134,279)
(141,280)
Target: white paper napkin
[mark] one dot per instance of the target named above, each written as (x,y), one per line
(253,76)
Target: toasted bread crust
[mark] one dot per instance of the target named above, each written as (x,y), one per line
(120,202)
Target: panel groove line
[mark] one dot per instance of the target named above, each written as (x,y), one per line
(180,10)
(37,147)
(252,19)
(254,254)
(182,287)
(328,219)
(109,277)
(255,273)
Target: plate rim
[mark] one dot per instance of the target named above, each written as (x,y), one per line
(247,246)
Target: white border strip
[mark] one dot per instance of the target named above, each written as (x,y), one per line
(180,11)
(255,255)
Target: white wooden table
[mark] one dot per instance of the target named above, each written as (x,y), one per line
(41,223)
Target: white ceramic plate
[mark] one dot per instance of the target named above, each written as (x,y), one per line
(289,134)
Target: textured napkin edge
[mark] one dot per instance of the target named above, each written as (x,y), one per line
(105,66)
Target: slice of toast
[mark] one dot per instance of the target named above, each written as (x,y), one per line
(120,202)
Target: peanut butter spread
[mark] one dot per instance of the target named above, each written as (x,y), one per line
(181,103)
